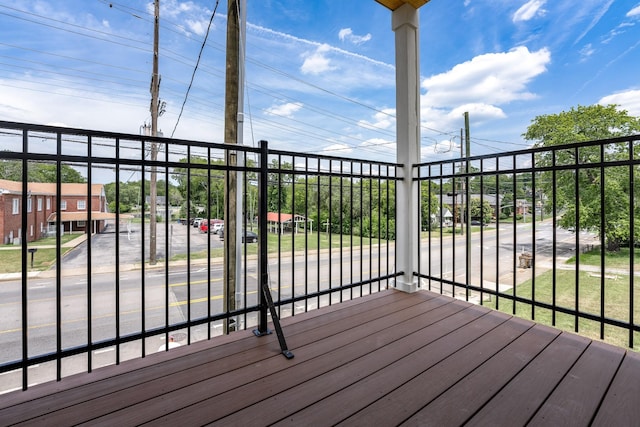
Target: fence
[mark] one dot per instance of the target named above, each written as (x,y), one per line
(516,245)
(143,285)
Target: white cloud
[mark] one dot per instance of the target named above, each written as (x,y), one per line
(284,110)
(480,86)
(634,12)
(596,16)
(479,111)
(384,119)
(628,100)
(493,78)
(173,8)
(197,27)
(346,34)
(317,62)
(586,51)
(529,10)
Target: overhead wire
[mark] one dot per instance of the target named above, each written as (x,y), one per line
(83,34)
(133,43)
(193,75)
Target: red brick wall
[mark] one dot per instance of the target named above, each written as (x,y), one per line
(37,219)
(11,222)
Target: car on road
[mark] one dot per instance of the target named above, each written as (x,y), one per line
(196,222)
(249,236)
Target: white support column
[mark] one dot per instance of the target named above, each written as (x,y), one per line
(405,24)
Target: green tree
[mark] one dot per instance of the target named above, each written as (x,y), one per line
(39,172)
(205,194)
(480,212)
(429,204)
(588,123)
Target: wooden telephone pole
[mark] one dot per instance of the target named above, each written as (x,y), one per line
(155,89)
(231,137)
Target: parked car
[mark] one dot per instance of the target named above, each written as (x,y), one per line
(211,226)
(196,222)
(217,226)
(249,236)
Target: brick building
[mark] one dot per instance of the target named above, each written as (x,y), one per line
(42,201)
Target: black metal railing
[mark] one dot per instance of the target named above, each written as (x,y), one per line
(550,234)
(89,278)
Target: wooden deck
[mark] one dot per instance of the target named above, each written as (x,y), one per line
(386,359)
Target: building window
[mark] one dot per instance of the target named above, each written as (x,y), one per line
(29,204)
(48,203)
(63,205)
(39,204)
(82,205)
(16,206)
(82,223)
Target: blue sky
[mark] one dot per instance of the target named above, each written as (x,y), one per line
(319,74)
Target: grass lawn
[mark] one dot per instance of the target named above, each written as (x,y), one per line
(618,259)
(616,294)
(11,260)
(285,243)
(46,241)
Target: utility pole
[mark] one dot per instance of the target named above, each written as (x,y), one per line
(231,137)
(155,88)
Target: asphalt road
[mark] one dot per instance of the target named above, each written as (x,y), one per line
(151,298)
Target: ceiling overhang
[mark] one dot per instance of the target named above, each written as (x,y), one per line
(394,4)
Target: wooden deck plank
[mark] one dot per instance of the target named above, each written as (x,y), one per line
(621,405)
(388,369)
(309,369)
(407,399)
(384,359)
(576,399)
(525,393)
(211,386)
(144,384)
(476,389)
(180,371)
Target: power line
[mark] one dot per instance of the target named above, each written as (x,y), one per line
(193,75)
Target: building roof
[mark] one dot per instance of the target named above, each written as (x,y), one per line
(49,188)
(284,217)
(84,216)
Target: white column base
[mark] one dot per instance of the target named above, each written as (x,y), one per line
(408,287)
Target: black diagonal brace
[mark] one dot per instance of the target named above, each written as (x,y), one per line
(266,294)
(266,301)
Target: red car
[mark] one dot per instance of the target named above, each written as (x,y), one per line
(211,226)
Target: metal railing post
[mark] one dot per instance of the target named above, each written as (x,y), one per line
(266,301)
(263,261)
